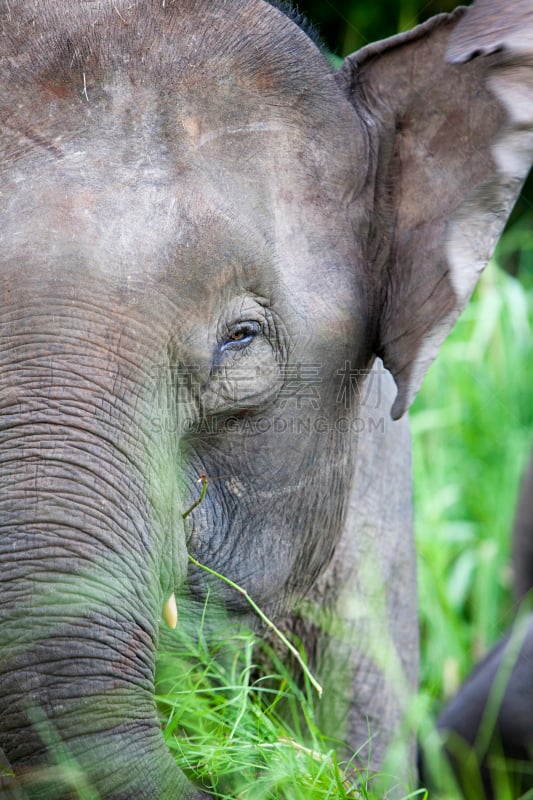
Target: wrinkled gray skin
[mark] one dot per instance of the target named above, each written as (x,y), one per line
(192,206)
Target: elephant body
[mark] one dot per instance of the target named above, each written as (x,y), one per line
(214,254)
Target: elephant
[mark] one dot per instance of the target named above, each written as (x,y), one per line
(487,728)
(223,260)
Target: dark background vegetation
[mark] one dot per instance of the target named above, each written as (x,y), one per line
(347,25)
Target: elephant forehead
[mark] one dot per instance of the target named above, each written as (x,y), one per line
(165,77)
(188,142)
(210,48)
(74,220)
(131,185)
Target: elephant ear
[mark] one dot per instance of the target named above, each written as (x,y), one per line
(449,113)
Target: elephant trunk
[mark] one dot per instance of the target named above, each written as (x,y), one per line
(82,592)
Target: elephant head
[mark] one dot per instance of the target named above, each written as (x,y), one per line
(207,237)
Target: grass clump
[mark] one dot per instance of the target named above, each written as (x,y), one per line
(226,730)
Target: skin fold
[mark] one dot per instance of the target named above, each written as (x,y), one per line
(220,258)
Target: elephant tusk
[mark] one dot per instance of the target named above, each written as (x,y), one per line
(170,612)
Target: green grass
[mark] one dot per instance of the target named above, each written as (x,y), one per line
(472,433)
(225,730)
(223,722)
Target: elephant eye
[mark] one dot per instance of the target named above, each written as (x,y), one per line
(240,335)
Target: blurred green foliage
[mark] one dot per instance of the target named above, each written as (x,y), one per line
(472,425)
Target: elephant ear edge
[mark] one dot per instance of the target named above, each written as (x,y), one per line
(452,144)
